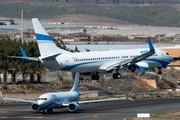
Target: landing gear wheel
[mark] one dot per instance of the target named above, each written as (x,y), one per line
(97,77)
(43,112)
(116,76)
(50,110)
(93,77)
(159,73)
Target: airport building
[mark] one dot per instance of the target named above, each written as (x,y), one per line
(175,53)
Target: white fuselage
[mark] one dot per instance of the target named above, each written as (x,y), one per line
(57,99)
(91,61)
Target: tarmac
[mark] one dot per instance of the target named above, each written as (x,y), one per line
(111,110)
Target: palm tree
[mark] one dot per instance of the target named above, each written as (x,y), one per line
(4,67)
(23,71)
(39,70)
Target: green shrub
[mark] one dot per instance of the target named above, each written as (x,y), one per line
(5,87)
(22,87)
(133,97)
(67,81)
(30,86)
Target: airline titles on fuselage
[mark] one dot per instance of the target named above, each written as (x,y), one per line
(105,58)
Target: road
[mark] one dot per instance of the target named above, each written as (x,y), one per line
(101,111)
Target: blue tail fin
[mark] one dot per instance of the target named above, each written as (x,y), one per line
(150,45)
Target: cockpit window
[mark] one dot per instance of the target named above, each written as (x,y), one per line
(42,99)
(167,53)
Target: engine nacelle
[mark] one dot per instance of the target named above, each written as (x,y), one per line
(139,67)
(35,107)
(73,107)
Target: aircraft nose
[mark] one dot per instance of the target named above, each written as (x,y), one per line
(40,102)
(171,58)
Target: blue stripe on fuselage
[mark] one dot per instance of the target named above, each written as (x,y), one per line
(163,63)
(48,105)
(43,37)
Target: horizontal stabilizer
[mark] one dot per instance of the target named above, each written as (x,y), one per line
(22,51)
(28,58)
(24,56)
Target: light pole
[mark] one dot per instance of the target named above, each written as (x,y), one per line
(22,12)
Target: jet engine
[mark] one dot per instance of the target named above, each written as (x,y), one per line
(73,107)
(139,67)
(35,107)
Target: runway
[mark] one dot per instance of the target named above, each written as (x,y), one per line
(111,110)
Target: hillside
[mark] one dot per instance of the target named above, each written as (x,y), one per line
(156,15)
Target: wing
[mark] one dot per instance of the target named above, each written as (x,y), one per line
(102,100)
(94,101)
(24,56)
(92,92)
(20,100)
(126,63)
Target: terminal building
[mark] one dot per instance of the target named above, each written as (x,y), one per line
(175,53)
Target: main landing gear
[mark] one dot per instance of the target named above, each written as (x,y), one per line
(95,76)
(116,75)
(50,110)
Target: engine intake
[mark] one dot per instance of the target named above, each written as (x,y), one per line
(73,107)
(139,67)
(132,68)
(35,107)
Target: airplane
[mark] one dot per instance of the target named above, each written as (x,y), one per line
(114,61)
(59,99)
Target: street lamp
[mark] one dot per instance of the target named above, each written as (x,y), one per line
(22,12)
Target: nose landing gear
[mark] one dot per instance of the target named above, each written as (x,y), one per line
(116,75)
(159,72)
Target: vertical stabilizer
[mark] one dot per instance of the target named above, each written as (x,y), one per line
(45,43)
(76,83)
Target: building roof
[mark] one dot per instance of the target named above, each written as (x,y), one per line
(175,53)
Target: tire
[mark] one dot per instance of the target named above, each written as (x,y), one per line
(114,76)
(97,77)
(93,77)
(49,110)
(159,73)
(118,76)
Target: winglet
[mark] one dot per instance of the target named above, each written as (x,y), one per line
(129,95)
(150,45)
(24,54)
(1,95)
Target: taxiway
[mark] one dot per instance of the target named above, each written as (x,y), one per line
(101,111)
